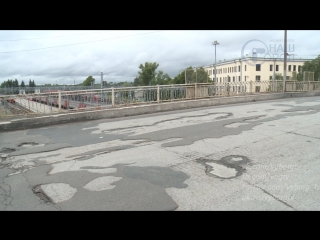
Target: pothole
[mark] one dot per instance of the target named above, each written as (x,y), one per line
(28,144)
(254,118)
(7,150)
(227,167)
(235,125)
(38,191)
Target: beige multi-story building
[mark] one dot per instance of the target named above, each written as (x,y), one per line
(253,69)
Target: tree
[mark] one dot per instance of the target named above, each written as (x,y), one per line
(126,84)
(22,84)
(147,74)
(185,76)
(15,83)
(31,83)
(311,66)
(89,81)
(278,76)
(179,79)
(161,79)
(200,76)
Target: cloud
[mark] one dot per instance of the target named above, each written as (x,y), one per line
(68,56)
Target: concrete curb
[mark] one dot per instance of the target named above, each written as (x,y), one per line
(60,118)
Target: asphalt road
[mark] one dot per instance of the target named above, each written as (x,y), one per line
(252,156)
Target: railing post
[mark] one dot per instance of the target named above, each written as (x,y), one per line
(112,96)
(308,86)
(251,86)
(195,90)
(158,93)
(59,100)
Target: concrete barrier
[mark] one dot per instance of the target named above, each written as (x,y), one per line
(70,117)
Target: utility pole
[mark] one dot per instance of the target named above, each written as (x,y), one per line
(215,43)
(196,76)
(101,86)
(285,61)
(101,79)
(274,75)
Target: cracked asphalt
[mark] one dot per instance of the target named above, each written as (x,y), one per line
(239,157)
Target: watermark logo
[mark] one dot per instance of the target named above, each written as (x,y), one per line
(257,52)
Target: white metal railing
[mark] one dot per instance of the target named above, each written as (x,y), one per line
(89,99)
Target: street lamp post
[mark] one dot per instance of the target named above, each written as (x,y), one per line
(215,43)
(285,61)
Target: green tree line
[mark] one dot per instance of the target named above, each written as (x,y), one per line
(15,83)
(148,75)
(310,66)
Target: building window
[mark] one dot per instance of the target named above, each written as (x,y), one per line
(245,67)
(271,67)
(229,79)
(258,78)
(294,68)
(299,68)
(270,78)
(238,68)
(289,69)
(239,78)
(258,67)
(277,68)
(233,78)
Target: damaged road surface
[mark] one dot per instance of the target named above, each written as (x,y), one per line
(249,156)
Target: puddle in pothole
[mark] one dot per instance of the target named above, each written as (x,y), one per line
(227,167)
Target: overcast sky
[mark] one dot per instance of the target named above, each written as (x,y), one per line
(68,57)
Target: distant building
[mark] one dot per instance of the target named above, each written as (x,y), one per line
(254,69)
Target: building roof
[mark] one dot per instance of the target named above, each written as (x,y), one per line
(245,59)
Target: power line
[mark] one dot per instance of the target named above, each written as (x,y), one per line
(75,43)
(42,37)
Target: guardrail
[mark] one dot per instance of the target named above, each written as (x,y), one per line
(52,101)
